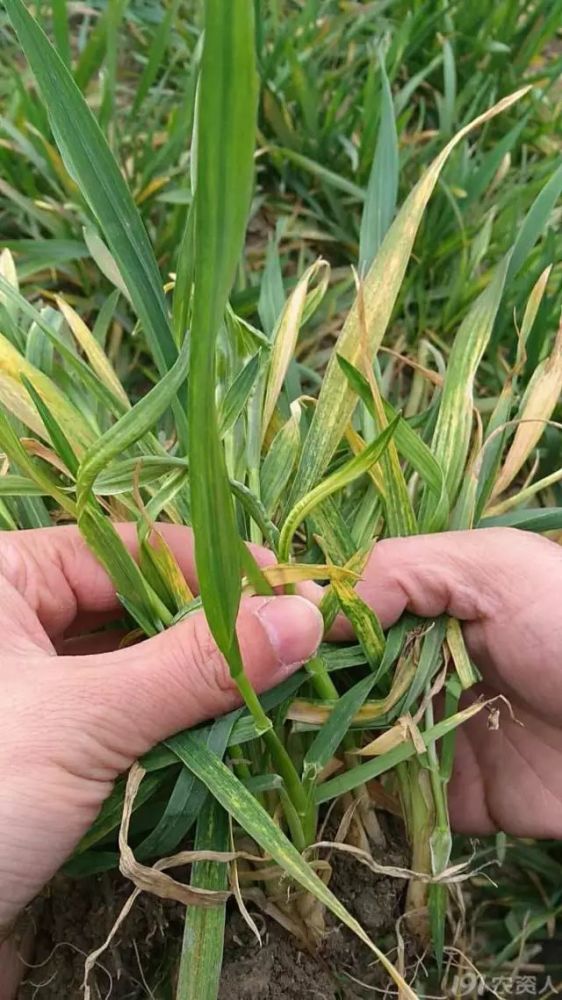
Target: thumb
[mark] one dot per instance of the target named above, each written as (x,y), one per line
(179,678)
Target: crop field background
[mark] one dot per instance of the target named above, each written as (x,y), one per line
(356,101)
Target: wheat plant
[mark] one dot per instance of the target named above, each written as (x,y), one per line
(230,441)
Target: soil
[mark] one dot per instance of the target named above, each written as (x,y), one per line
(74,917)
(280,971)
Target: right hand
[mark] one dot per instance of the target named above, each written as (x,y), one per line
(505,586)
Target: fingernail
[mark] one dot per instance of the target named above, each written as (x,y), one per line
(294,627)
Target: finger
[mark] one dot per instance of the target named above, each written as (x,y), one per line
(179,678)
(467,793)
(503,584)
(452,573)
(455,573)
(59,578)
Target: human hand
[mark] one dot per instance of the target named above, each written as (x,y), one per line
(505,586)
(72,722)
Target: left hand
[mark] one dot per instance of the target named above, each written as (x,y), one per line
(77,710)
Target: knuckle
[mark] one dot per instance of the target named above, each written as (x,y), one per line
(13,567)
(208,663)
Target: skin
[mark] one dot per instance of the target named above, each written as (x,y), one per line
(77,710)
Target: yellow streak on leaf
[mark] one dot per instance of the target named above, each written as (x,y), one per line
(313,714)
(285,336)
(40,450)
(404,731)
(357,445)
(13,400)
(12,366)
(286,573)
(94,353)
(530,314)
(541,398)
(167,565)
(151,188)
(461,659)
